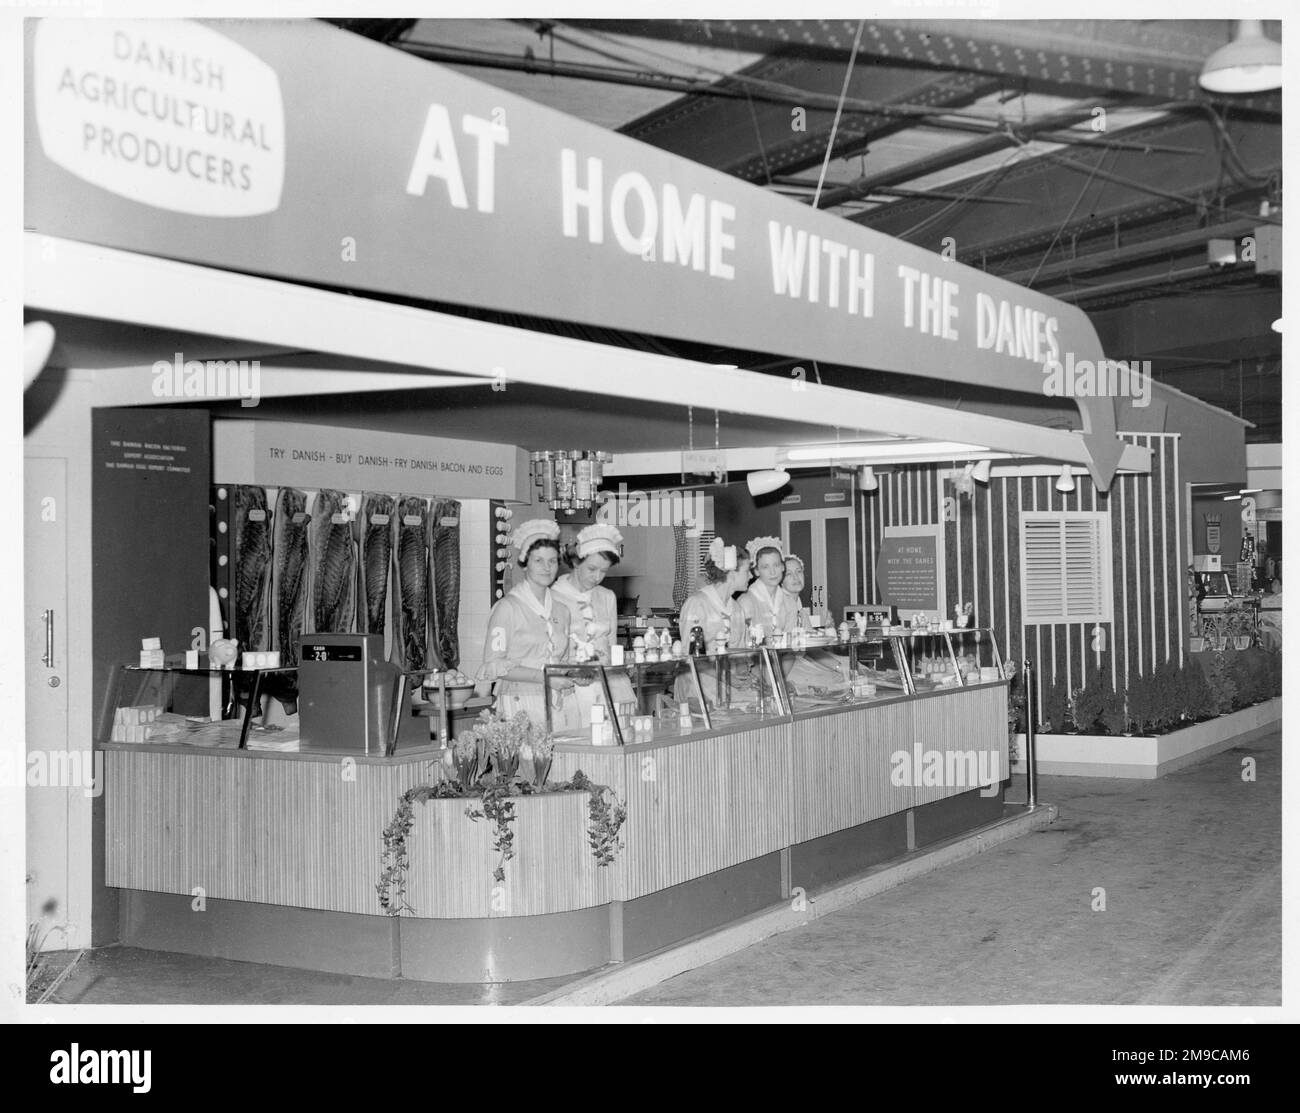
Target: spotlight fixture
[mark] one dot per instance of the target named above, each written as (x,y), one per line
(1251,63)
(38,342)
(765,482)
(867,480)
(982,471)
(1065,481)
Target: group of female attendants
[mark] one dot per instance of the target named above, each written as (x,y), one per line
(549,618)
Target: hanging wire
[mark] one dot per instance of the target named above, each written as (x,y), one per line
(1068,217)
(839,108)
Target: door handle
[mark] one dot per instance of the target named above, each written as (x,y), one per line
(47,658)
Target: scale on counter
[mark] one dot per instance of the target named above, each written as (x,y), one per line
(347,693)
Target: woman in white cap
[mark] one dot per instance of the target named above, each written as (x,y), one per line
(529,629)
(764,603)
(712,608)
(593,610)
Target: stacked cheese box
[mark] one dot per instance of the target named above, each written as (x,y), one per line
(151,653)
(131,724)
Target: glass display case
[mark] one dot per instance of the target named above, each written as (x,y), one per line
(217,708)
(649,701)
(884,663)
(829,672)
(953,658)
(271,709)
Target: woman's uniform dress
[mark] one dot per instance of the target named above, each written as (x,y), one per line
(524,631)
(776,612)
(600,630)
(719,616)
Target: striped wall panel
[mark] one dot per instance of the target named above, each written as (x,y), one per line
(704,805)
(982,553)
(841,769)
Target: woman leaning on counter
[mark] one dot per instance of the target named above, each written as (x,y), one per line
(764,603)
(529,629)
(712,608)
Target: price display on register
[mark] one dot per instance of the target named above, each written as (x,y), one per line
(313,652)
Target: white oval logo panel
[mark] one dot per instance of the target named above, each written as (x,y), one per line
(167,113)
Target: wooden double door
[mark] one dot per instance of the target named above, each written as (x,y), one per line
(826,542)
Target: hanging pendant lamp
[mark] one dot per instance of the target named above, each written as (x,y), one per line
(1251,63)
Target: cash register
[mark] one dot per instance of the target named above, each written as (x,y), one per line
(351,700)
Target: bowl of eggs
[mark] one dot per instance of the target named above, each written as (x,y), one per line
(458,686)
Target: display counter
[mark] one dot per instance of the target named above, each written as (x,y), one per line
(774,787)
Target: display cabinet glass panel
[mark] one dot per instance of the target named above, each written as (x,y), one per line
(842,672)
(216,708)
(655,700)
(951,658)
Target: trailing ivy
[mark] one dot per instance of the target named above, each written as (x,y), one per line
(497,808)
(496,803)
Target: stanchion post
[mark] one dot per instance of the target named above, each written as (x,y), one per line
(1031,756)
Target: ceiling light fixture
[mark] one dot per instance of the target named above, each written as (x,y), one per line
(982,471)
(1231,498)
(867,480)
(1065,481)
(1251,63)
(765,482)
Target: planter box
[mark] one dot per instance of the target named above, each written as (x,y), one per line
(1146,756)
(1197,645)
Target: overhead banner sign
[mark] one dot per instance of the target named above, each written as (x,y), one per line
(910,570)
(282,453)
(403,177)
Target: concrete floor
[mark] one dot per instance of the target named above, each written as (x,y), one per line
(1190,865)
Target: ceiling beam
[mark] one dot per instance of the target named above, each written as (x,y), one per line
(759,138)
(1059,186)
(1158,59)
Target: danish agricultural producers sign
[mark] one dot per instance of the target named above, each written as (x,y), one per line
(171,115)
(407,178)
(910,570)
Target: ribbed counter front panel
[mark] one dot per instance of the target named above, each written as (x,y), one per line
(282,832)
(700,806)
(552,870)
(841,768)
(308,834)
(972,722)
